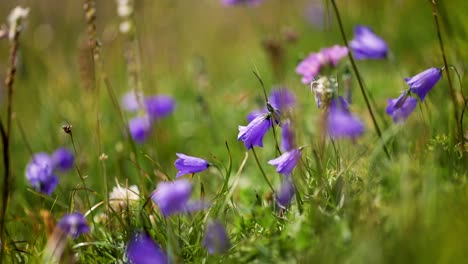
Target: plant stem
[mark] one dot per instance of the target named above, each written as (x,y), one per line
(262,171)
(449,79)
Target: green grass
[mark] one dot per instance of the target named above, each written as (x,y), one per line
(359,208)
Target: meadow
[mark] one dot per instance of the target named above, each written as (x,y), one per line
(252,131)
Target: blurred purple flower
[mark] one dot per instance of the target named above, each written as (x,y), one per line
(140,128)
(367,45)
(241,2)
(141,249)
(130,101)
(341,123)
(285,194)
(280,99)
(287,137)
(253,133)
(401,107)
(159,106)
(423,82)
(40,173)
(315,14)
(63,159)
(286,162)
(310,67)
(188,164)
(74,224)
(216,240)
(173,197)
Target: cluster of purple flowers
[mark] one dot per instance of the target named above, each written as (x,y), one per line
(41,169)
(153,108)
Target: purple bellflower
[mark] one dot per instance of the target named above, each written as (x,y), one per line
(341,123)
(423,82)
(401,107)
(74,224)
(188,164)
(285,194)
(159,106)
(63,159)
(288,141)
(216,240)
(310,67)
(241,2)
(286,162)
(280,99)
(141,249)
(173,197)
(140,128)
(130,101)
(367,45)
(253,133)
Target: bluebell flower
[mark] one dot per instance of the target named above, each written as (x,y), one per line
(140,128)
(40,173)
(423,82)
(281,99)
(285,194)
(74,224)
(216,240)
(241,2)
(367,45)
(288,139)
(63,159)
(253,133)
(141,249)
(159,106)
(132,101)
(188,164)
(341,123)
(310,67)
(286,162)
(400,108)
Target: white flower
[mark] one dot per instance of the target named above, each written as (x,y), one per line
(14,20)
(125,27)
(121,197)
(323,89)
(124,8)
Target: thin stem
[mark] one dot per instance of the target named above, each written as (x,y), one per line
(262,171)
(449,79)
(358,76)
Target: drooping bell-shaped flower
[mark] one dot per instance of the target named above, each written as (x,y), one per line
(285,194)
(253,133)
(63,159)
(188,164)
(159,106)
(40,173)
(310,67)
(286,162)
(140,128)
(141,249)
(281,99)
(423,82)
(341,122)
(216,240)
(400,108)
(288,139)
(74,224)
(367,45)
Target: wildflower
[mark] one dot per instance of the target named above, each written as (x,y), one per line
(423,82)
(401,107)
(159,106)
(15,19)
(188,164)
(140,128)
(141,249)
(123,197)
(367,45)
(286,162)
(124,8)
(216,240)
(311,66)
(287,137)
(63,159)
(74,224)
(285,194)
(132,101)
(40,173)
(280,99)
(241,2)
(323,89)
(315,14)
(253,133)
(341,123)
(173,197)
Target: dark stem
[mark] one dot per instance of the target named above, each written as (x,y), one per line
(449,79)
(358,76)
